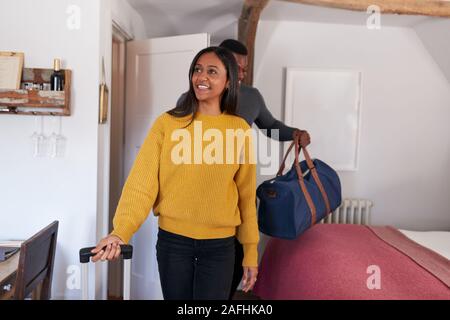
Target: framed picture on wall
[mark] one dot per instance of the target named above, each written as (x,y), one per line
(11,64)
(326,103)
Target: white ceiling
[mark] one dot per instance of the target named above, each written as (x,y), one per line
(219,17)
(187,7)
(175,17)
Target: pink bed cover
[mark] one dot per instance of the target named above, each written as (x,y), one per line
(342,261)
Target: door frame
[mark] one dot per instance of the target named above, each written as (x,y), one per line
(117,139)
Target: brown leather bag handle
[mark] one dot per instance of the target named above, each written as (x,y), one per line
(283,163)
(281,169)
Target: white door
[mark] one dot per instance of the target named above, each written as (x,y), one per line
(157,74)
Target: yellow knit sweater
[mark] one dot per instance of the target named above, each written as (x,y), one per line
(194,182)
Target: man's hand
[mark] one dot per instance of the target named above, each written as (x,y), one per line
(302,136)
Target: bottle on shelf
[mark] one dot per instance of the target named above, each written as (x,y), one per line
(57,77)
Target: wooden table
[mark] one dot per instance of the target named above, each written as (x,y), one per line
(8,271)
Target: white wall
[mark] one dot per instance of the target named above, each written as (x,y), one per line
(36,191)
(404,163)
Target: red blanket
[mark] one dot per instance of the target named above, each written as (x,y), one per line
(340,261)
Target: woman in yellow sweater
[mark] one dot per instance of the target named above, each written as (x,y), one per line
(196,169)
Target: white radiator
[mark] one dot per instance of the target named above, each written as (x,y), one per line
(351,211)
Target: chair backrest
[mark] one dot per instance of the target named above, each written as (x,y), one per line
(37,255)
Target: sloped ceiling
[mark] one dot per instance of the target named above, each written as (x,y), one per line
(164,17)
(435,35)
(219,18)
(174,17)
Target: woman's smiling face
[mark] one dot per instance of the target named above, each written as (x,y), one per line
(209,78)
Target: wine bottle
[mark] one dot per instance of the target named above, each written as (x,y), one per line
(57,77)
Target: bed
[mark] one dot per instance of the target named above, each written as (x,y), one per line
(345,261)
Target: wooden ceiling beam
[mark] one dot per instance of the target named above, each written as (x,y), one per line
(248,24)
(251,11)
(436,8)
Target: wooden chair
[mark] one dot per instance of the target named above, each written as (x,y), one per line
(37,256)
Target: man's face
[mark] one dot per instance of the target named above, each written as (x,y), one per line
(242,62)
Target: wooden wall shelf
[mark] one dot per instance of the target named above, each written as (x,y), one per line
(37,102)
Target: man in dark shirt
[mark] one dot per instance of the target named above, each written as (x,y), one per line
(252,108)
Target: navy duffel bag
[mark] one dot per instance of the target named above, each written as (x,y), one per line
(291,203)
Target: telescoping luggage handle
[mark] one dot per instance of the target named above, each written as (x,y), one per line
(126,252)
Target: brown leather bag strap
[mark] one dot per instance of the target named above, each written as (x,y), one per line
(316,178)
(280,171)
(301,182)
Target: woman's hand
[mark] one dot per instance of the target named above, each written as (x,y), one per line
(249,278)
(111,251)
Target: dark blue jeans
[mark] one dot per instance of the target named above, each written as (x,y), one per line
(191,269)
(238,269)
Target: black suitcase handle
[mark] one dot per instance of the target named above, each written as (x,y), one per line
(126,251)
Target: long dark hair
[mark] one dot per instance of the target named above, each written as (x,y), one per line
(188,103)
